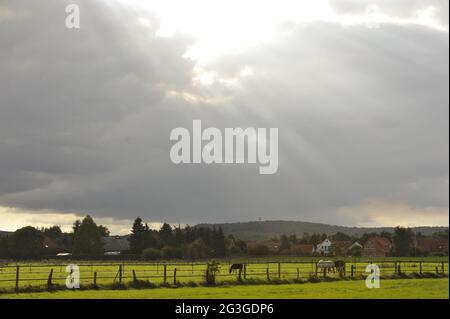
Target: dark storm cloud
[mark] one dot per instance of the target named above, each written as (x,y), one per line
(86,116)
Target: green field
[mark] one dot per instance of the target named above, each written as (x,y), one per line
(35,274)
(390,289)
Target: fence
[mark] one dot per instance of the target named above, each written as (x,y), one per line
(15,277)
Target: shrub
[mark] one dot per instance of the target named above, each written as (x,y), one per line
(212,269)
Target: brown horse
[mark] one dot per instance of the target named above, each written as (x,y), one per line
(340,267)
(236,267)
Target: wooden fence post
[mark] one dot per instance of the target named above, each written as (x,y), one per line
(49,280)
(298,273)
(165,273)
(399,269)
(268,273)
(279,270)
(120,274)
(95,279)
(134,276)
(420,267)
(443,268)
(352,270)
(175,276)
(245,271)
(17,278)
(240,275)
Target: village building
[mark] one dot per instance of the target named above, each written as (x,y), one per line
(115,245)
(377,247)
(431,246)
(324,248)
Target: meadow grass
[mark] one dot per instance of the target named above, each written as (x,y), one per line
(35,274)
(347,289)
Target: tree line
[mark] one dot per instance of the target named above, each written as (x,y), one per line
(86,240)
(167,242)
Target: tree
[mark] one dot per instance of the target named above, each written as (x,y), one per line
(219,245)
(196,250)
(27,243)
(403,241)
(104,231)
(284,243)
(293,239)
(169,252)
(4,247)
(88,239)
(76,226)
(165,235)
(341,236)
(242,245)
(140,237)
(355,251)
(315,239)
(151,254)
(53,232)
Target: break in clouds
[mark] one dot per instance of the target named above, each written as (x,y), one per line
(362,113)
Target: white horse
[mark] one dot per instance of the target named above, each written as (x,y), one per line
(325,265)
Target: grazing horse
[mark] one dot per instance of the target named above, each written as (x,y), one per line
(340,266)
(325,265)
(236,267)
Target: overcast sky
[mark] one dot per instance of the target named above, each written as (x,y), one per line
(358,91)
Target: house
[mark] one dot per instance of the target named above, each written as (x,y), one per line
(324,248)
(377,247)
(431,246)
(355,245)
(355,249)
(272,244)
(114,245)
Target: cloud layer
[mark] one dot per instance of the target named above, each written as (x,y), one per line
(85,117)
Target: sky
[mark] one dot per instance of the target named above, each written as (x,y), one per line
(357,89)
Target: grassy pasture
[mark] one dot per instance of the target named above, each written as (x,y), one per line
(35,274)
(356,289)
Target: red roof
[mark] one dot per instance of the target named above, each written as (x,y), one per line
(432,245)
(379,243)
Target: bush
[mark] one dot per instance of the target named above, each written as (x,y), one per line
(140,284)
(212,269)
(151,254)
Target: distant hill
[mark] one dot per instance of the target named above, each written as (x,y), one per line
(267,229)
